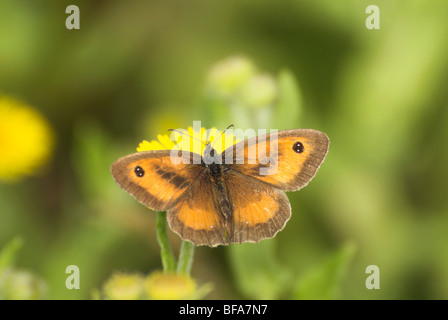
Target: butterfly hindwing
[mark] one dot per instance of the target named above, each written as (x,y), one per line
(259,210)
(196,217)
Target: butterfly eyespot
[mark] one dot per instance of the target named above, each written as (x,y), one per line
(298,147)
(139,172)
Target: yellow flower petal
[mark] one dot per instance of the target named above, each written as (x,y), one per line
(26,140)
(190,140)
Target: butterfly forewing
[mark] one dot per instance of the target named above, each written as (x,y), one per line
(287,163)
(153,179)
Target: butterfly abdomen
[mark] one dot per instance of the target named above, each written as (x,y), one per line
(219,189)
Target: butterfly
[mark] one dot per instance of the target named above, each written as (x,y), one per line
(237,199)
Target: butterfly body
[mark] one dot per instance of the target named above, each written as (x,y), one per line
(217,201)
(216,174)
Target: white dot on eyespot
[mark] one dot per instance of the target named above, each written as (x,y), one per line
(247,222)
(211,227)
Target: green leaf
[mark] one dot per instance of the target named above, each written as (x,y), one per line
(7,254)
(257,271)
(323,282)
(93,154)
(289,105)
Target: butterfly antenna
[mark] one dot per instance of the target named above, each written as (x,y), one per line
(214,141)
(186,134)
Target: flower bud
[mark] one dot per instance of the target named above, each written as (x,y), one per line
(123,286)
(228,76)
(21,285)
(169,286)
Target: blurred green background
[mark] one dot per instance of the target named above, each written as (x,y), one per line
(137,68)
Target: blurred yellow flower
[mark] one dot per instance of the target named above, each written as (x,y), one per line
(167,116)
(169,286)
(21,285)
(26,140)
(157,285)
(190,143)
(124,287)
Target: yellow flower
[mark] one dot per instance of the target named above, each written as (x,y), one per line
(124,287)
(26,140)
(190,140)
(156,286)
(21,285)
(169,286)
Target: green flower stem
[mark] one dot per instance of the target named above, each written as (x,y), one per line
(168,261)
(185,258)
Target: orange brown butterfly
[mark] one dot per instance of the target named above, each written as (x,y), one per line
(224,202)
